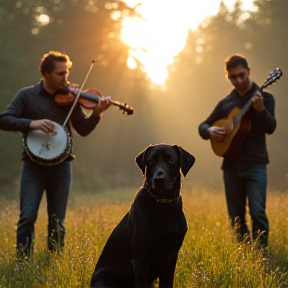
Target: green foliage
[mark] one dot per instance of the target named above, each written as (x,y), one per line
(197,78)
(209,256)
(85,30)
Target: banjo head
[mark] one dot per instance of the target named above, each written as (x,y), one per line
(47,149)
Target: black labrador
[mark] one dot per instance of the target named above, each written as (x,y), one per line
(144,245)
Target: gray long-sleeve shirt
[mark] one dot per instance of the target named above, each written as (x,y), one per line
(34,103)
(253,149)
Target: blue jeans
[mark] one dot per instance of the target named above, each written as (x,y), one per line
(242,183)
(35,179)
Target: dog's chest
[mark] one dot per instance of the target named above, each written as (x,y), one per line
(150,217)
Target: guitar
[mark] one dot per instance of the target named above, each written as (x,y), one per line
(237,124)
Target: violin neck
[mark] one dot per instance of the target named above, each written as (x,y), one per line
(90,96)
(95,98)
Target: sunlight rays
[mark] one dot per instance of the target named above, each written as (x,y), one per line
(161,33)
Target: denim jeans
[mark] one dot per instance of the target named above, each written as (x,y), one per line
(244,182)
(35,179)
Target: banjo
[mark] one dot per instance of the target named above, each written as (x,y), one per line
(48,149)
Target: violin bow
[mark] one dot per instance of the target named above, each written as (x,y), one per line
(78,94)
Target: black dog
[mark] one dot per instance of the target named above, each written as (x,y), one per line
(144,245)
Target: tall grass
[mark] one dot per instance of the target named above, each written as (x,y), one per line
(209,256)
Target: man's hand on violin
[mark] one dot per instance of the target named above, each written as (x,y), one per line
(103,104)
(45,125)
(257,102)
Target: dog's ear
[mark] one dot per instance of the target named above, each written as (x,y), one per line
(186,160)
(141,159)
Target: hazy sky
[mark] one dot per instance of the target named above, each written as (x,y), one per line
(163,31)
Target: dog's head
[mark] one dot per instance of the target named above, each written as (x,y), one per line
(161,165)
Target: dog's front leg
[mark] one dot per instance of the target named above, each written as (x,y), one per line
(141,269)
(166,279)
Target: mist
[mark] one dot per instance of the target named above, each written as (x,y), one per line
(195,83)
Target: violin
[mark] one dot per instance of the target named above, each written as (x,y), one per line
(88,99)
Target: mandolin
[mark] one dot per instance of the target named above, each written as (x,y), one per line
(237,124)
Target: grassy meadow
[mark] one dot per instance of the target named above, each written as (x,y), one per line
(209,256)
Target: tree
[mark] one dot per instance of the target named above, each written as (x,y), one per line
(86,32)
(196,78)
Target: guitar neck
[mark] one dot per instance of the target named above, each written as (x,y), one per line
(246,107)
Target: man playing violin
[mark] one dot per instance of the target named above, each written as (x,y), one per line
(244,169)
(34,108)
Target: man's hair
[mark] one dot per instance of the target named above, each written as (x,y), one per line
(234,61)
(48,60)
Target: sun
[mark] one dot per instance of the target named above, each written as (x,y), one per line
(162,32)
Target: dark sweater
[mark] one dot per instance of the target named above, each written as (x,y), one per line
(253,149)
(34,103)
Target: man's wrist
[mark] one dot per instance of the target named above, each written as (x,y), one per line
(262,112)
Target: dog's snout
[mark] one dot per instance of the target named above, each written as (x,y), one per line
(159,174)
(158,178)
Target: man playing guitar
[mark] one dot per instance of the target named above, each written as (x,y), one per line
(244,149)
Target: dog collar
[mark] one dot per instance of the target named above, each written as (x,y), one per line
(161,200)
